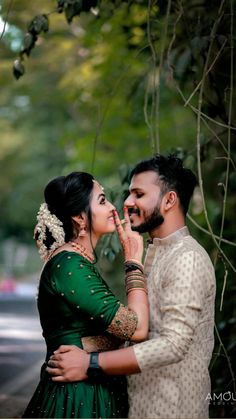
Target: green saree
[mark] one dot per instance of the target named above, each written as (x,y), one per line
(75,302)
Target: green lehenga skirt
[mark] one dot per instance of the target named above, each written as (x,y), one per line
(86,399)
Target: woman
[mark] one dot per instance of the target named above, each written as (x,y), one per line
(75,304)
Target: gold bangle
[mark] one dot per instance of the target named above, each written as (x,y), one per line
(134,273)
(133,289)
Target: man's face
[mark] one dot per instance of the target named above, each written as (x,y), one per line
(144,202)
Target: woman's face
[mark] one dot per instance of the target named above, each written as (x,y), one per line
(101,209)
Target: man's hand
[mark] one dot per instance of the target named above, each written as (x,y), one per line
(68,363)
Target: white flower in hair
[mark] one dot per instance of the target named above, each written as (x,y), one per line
(47,220)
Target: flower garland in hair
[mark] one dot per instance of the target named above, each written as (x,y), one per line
(47,220)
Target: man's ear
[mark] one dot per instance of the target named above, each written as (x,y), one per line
(170,199)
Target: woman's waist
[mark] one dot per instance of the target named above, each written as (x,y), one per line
(92,343)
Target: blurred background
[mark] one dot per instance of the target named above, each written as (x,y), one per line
(97,86)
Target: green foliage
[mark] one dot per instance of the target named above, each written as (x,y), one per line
(40,24)
(107,90)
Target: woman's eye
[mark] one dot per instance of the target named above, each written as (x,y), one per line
(103,201)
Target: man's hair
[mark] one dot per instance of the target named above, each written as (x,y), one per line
(171,175)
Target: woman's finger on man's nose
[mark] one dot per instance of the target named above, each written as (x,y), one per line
(119,227)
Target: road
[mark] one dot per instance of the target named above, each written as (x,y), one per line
(22,351)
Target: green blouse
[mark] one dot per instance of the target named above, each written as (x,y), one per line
(75,303)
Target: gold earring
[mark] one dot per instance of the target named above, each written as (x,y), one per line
(82,231)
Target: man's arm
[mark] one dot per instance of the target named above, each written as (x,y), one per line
(70,363)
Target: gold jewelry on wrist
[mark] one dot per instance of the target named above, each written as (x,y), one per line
(135,280)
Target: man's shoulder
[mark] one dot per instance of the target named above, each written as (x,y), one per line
(190,244)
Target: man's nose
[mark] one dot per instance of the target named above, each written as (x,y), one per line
(129,202)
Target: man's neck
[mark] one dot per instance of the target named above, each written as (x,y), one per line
(166,229)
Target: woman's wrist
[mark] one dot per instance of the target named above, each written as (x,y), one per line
(133,264)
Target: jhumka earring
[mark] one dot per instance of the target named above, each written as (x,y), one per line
(82,231)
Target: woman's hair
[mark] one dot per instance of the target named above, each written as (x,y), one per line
(66,197)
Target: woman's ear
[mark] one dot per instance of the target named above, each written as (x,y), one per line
(81,218)
(80,226)
(170,199)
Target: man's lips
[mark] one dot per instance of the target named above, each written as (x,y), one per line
(133,211)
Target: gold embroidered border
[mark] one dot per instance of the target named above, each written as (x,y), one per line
(100,343)
(124,323)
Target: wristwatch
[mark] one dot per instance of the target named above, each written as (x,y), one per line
(94,370)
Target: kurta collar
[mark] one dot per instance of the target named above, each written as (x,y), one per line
(172,238)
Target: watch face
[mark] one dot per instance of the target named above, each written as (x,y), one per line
(94,371)
(95,374)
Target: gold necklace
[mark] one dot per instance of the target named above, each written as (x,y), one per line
(82,251)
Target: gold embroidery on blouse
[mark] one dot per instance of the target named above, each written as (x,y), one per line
(124,323)
(100,343)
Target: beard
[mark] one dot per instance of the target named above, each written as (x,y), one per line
(151,221)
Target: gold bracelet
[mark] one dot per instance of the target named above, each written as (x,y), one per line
(137,288)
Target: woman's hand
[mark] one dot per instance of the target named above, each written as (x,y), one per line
(131,241)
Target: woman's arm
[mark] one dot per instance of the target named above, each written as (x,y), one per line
(135,282)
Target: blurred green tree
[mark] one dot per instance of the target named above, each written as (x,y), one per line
(116,85)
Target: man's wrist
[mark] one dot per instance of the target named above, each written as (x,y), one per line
(94,369)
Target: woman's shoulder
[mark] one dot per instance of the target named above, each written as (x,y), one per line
(65,260)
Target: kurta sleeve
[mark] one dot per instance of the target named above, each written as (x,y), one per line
(183,291)
(78,282)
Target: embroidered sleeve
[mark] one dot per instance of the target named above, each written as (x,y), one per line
(124,323)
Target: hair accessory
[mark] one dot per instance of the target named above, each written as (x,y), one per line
(48,220)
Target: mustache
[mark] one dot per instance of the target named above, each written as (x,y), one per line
(133,211)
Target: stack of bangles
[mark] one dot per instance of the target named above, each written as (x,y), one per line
(134,276)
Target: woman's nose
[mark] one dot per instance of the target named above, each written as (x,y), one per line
(112,207)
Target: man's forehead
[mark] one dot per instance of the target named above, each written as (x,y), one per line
(143,180)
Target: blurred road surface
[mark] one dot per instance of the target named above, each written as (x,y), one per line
(22,349)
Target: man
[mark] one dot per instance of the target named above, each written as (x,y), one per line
(173,379)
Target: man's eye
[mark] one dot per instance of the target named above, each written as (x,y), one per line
(139,195)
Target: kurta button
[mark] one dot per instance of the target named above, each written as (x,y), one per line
(58,266)
(69,273)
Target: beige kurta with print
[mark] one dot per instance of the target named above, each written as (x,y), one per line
(174,380)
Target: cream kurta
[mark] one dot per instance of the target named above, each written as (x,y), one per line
(174,380)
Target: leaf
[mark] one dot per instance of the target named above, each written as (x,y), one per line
(29,43)
(72,9)
(39,24)
(18,69)
(87,4)
(60,5)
